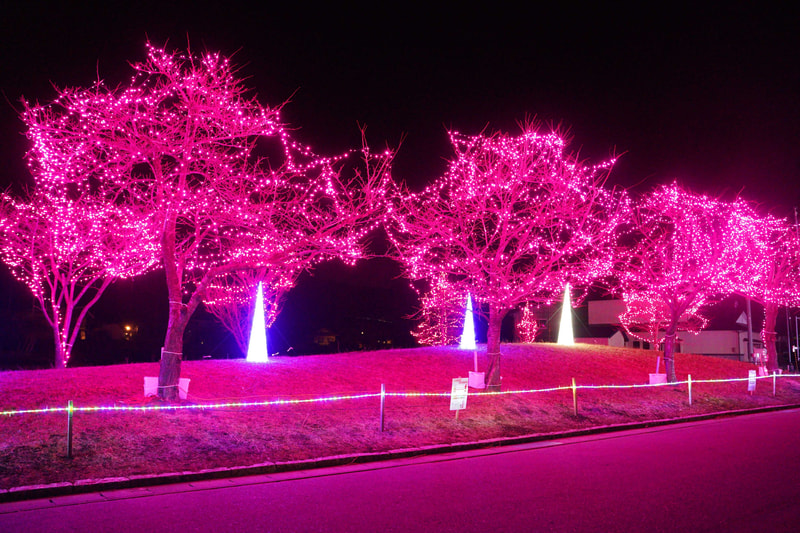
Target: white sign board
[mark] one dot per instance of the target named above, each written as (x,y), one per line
(751,380)
(458,395)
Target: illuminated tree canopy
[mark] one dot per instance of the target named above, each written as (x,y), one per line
(769,270)
(229,188)
(682,253)
(513,219)
(68,251)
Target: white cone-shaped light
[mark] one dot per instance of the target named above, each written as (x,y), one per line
(565,335)
(257,347)
(468,333)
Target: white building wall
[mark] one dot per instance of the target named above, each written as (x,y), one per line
(604,312)
(725,342)
(617,340)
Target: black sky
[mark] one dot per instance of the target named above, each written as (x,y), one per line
(704,95)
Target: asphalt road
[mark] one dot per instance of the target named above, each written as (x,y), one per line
(730,474)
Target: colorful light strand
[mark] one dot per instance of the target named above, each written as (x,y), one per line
(337,398)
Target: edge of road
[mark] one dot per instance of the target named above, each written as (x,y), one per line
(30,492)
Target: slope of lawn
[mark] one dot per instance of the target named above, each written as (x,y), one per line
(33,446)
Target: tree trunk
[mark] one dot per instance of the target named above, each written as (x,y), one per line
(61,353)
(493,348)
(669,352)
(770,320)
(179,315)
(172,352)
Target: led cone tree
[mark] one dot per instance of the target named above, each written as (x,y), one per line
(231,296)
(769,270)
(513,219)
(68,251)
(681,255)
(182,139)
(467,341)
(257,350)
(566,335)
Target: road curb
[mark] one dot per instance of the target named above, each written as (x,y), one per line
(30,492)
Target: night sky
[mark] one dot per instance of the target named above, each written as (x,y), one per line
(706,96)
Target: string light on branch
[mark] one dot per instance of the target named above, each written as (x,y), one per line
(68,250)
(768,270)
(441,314)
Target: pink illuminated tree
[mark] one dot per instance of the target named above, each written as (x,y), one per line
(646,317)
(230,189)
(769,270)
(528,325)
(681,256)
(68,252)
(513,219)
(441,314)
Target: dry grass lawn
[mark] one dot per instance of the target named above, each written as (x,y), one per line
(33,446)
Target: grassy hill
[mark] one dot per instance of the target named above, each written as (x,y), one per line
(33,446)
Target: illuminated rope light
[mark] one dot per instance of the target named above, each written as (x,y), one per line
(300,401)
(146,408)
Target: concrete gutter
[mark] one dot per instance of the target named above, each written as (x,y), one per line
(30,492)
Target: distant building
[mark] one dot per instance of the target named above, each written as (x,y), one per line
(725,335)
(324,337)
